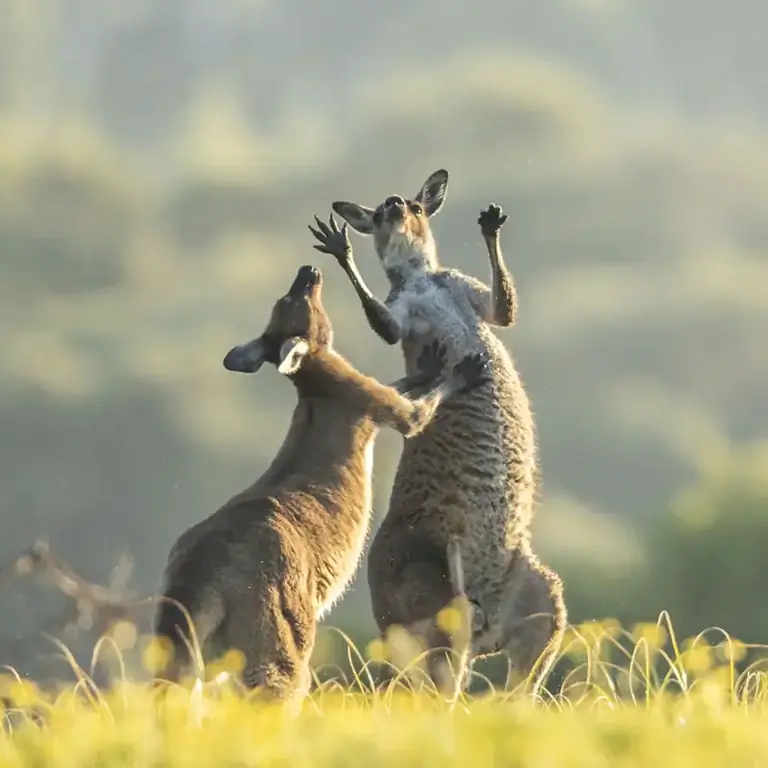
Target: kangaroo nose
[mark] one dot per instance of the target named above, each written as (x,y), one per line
(309,273)
(306,279)
(393,200)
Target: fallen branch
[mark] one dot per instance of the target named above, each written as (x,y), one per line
(94,607)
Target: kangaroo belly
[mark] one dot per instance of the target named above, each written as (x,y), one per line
(340,562)
(425,310)
(472,471)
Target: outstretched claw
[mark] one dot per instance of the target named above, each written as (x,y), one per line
(334,241)
(431,361)
(491,220)
(473,371)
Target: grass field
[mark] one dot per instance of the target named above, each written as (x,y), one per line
(639,699)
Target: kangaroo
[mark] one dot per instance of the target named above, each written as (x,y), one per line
(465,487)
(258,574)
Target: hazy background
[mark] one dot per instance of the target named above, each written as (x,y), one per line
(159,162)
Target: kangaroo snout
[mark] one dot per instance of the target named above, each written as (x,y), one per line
(307,278)
(394,208)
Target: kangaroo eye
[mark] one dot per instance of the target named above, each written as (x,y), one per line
(417,208)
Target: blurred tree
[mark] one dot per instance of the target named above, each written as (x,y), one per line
(703,561)
(707,559)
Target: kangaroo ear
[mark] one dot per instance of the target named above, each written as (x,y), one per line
(245,358)
(292,354)
(432,194)
(357,216)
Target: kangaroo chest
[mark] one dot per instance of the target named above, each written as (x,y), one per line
(341,562)
(425,308)
(416,306)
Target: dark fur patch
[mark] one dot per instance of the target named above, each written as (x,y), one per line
(396,279)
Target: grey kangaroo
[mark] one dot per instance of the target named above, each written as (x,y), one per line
(258,574)
(465,487)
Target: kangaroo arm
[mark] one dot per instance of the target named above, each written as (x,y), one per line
(497,305)
(414,384)
(379,317)
(408,417)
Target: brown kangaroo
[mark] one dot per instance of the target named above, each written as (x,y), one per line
(258,574)
(465,486)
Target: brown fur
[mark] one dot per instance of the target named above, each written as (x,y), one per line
(258,574)
(471,474)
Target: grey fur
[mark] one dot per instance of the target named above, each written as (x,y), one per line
(472,474)
(258,574)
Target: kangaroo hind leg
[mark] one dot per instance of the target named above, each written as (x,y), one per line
(533,618)
(446,633)
(276,638)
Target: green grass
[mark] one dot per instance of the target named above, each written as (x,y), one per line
(627,699)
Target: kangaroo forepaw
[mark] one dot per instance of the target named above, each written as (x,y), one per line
(491,220)
(431,361)
(333,240)
(472,371)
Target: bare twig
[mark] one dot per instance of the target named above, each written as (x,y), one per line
(39,560)
(94,606)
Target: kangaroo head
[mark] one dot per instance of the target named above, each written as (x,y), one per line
(298,328)
(400,226)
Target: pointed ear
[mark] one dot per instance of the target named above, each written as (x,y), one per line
(245,358)
(292,354)
(357,216)
(432,194)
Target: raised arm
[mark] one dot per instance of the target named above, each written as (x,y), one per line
(335,242)
(497,305)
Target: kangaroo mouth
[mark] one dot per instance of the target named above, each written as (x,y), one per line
(307,279)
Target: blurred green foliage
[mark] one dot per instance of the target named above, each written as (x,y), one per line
(701,561)
(159,163)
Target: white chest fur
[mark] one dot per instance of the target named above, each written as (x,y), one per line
(348,560)
(368,470)
(424,308)
(416,305)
